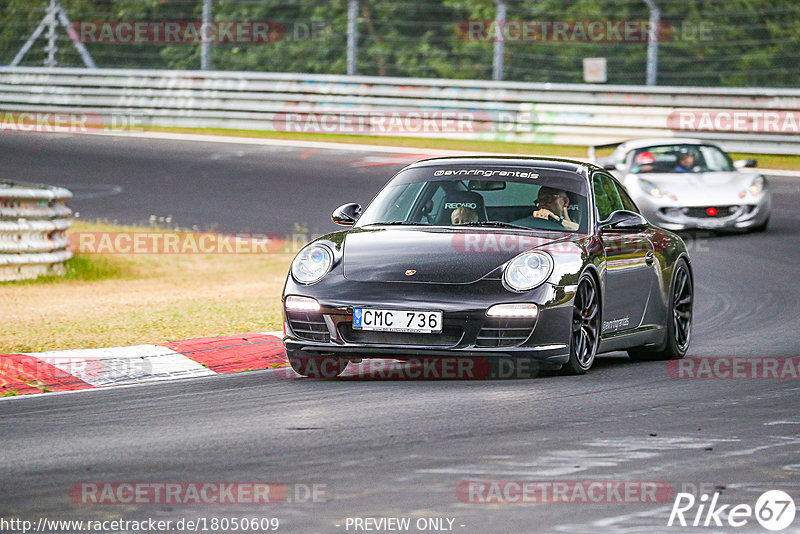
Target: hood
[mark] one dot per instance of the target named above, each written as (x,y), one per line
(702,187)
(443,256)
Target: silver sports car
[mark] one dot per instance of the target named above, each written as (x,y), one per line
(682,184)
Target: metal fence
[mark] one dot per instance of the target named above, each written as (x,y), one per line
(697,43)
(33,223)
(563,114)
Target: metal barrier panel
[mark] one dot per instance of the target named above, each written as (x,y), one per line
(760,120)
(33,223)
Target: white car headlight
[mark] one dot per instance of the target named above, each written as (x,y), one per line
(312,264)
(650,188)
(528,270)
(757,186)
(653,190)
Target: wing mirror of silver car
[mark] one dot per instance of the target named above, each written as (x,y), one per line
(624,220)
(742,163)
(346,214)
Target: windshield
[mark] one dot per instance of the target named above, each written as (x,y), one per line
(680,158)
(482,196)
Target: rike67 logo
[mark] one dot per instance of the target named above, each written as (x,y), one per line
(774,510)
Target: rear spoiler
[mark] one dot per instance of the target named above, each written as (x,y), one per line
(592,149)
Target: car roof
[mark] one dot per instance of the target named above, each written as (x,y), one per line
(543,162)
(633,144)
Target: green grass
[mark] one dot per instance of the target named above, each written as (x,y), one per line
(411,142)
(90,268)
(84,268)
(771,161)
(108,300)
(767,161)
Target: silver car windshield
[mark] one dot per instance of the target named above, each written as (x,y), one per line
(680,158)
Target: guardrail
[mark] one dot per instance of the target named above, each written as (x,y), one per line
(571,114)
(33,223)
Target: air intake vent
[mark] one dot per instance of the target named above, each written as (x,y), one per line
(712,211)
(308,326)
(504,332)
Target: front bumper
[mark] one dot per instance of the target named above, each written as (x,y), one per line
(721,217)
(466,329)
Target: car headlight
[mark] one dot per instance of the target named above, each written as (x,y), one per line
(650,188)
(528,270)
(312,264)
(757,186)
(653,190)
(301,304)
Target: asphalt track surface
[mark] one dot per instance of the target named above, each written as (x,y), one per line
(400,448)
(233,188)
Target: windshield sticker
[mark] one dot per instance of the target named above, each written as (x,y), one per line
(485,173)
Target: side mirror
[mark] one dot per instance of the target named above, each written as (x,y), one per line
(346,214)
(624,220)
(742,163)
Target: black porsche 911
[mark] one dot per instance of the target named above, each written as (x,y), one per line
(490,257)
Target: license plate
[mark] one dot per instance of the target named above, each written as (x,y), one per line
(712,224)
(411,321)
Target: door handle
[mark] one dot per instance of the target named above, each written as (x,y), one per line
(650,257)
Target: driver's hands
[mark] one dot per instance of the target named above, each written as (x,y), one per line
(545,213)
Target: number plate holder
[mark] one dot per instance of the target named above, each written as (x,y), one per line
(408,321)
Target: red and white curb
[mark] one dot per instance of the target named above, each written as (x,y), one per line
(68,370)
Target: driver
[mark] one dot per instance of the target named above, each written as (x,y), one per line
(643,162)
(553,204)
(686,161)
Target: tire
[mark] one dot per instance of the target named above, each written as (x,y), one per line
(318,366)
(679,321)
(585,331)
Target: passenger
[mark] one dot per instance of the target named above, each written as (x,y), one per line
(463,215)
(553,204)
